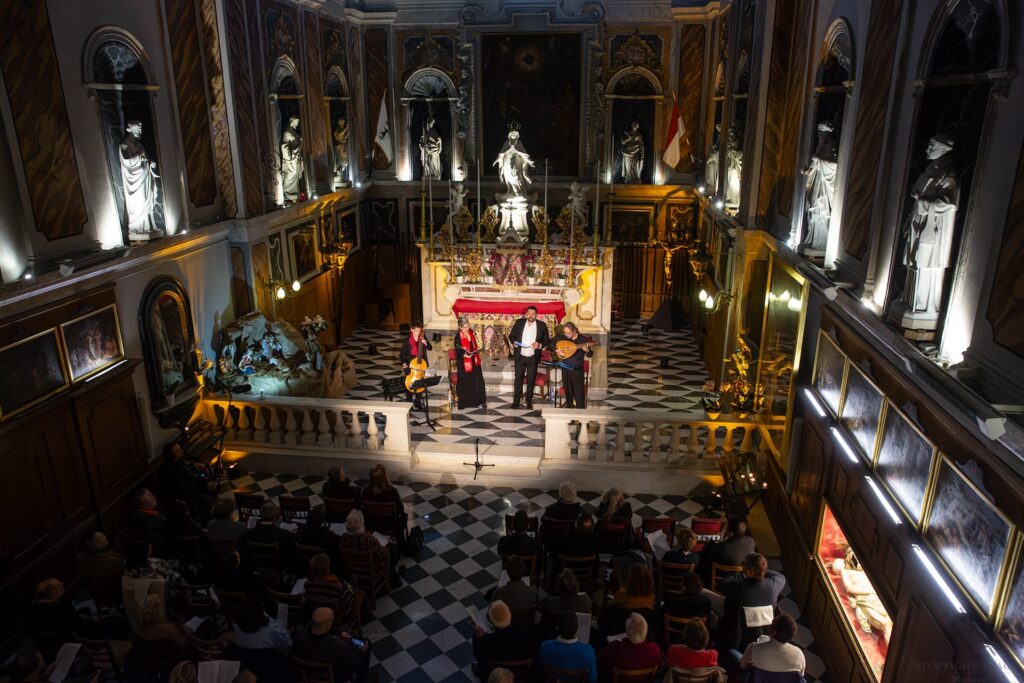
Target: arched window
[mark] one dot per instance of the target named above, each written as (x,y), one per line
(339,125)
(634,93)
(286,160)
(116,75)
(963,64)
(832,89)
(428,101)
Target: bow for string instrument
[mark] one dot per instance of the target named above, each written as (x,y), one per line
(417,369)
(566,347)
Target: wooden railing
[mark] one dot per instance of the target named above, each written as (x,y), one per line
(650,437)
(320,423)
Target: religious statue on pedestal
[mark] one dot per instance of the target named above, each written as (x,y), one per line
(632,148)
(929,229)
(138,178)
(341,131)
(711,166)
(292,169)
(820,187)
(430,149)
(513,163)
(733,168)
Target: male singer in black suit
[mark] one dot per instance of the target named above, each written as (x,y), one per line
(528,336)
(572,365)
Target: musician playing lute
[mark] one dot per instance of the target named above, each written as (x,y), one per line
(571,361)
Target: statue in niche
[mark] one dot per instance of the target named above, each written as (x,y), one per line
(138,177)
(712,164)
(513,163)
(430,149)
(929,230)
(733,168)
(820,186)
(632,146)
(291,161)
(341,131)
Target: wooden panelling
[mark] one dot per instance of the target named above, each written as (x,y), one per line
(27,495)
(316,131)
(69,471)
(243,84)
(376,53)
(810,475)
(691,83)
(796,90)
(28,60)
(872,101)
(183,28)
(1006,300)
(925,651)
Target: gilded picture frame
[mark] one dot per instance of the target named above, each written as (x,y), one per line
(31,370)
(830,366)
(902,446)
(861,395)
(92,342)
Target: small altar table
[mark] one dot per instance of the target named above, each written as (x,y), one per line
(512,308)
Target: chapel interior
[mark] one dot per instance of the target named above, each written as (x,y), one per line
(511,340)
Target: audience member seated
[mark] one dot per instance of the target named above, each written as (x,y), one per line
(749,598)
(565,652)
(254,630)
(349,661)
(519,542)
(158,638)
(735,545)
(316,534)
(267,531)
(235,577)
(567,600)
(356,537)
(145,520)
(51,618)
(338,486)
(324,588)
(521,598)
(380,490)
(638,593)
(223,533)
(30,666)
(614,509)
(692,602)
(683,552)
(505,642)
(181,479)
(500,675)
(101,568)
(566,507)
(581,541)
(632,652)
(774,652)
(181,524)
(694,652)
(245,677)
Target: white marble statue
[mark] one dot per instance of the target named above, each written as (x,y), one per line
(578,201)
(733,168)
(820,185)
(712,165)
(632,148)
(341,132)
(458,197)
(513,164)
(138,178)
(291,161)
(430,149)
(929,230)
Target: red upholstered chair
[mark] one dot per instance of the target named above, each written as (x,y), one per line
(707,530)
(453,378)
(543,376)
(294,509)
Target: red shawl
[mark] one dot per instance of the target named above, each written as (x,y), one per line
(468,362)
(414,346)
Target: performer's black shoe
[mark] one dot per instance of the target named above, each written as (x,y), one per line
(529,406)
(515,405)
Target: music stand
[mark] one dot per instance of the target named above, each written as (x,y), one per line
(425,384)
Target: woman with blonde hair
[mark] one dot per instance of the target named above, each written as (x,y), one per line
(613,508)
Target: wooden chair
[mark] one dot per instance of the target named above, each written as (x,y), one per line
(207,650)
(248,505)
(105,655)
(553,530)
(709,674)
(305,671)
(669,578)
(296,606)
(231,603)
(337,509)
(199,600)
(532,525)
(453,378)
(707,530)
(721,571)
(634,675)
(346,614)
(363,571)
(294,509)
(555,675)
(613,538)
(532,563)
(674,627)
(266,558)
(519,668)
(384,518)
(582,568)
(306,552)
(666,525)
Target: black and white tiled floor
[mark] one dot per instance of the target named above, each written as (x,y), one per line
(421,632)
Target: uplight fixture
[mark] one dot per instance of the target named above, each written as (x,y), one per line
(937,578)
(882,499)
(28,274)
(701,189)
(813,400)
(1000,664)
(845,445)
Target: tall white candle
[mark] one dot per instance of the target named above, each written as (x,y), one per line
(545,189)
(478,204)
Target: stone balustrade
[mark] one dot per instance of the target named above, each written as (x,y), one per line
(313,423)
(642,437)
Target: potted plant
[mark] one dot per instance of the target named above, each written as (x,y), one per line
(711,400)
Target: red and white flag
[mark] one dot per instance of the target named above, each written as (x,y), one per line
(676,130)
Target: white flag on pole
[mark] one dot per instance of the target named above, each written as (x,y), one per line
(383,136)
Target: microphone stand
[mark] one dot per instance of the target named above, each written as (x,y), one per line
(476,464)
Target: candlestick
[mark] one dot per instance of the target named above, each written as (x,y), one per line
(423,216)
(451,227)
(545,188)
(611,204)
(478,203)
(597,211)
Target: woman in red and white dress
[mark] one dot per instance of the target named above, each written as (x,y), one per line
(471,389)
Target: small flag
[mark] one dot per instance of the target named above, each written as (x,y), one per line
(383,137)
(676,130)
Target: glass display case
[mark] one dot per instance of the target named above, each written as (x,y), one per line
(865,613)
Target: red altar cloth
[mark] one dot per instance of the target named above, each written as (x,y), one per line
(555,308)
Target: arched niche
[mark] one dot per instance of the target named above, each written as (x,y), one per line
(430,93)
(634,93)
(713,158)
(286,160)
(117,75)
(339,126)
(833,88)
(962,68)
(169,350)
(733,136)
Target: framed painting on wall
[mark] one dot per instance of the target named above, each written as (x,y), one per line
(304,253)
(861,409)
(93,342)
(829,371)
(1011,622)
(969,534)
(905,458)
(31,371)
(631,225)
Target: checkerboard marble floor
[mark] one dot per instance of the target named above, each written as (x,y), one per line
(421,630)
(635,382)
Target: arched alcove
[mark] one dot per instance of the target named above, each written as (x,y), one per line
(430,97)
(339,125)
(634,93)
(286,160)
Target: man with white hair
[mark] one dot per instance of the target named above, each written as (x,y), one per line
(501,675)
(357,538)
(632,652)
(566,507)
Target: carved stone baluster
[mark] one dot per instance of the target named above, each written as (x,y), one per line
(276,431)
(584,440)
(323,428)
(620,441)
(372,432)
(601,450)
(638,442)
(747,445)
(244,433)
(660,438)
(355,434)
(308,430)
(727,442)
(673,443)
(692,442)
(291,427)
(711,445)
(259,425)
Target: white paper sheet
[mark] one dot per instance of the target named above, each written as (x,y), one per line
(62,664)
(503,579)
(337,527)
(218,671)
(299,586)
(194,623)
(381,538)
(659,544)
(252,522)
(583,632)
(717,601)
(289,526)
(619,636)
(479,620)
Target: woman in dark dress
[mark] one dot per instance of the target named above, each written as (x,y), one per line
(471,389)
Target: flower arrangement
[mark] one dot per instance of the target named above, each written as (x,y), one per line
(312,325)
(710,399)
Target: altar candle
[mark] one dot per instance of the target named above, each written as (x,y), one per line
(597,210)
(451,223)
(545,189)
(478,204)
(611,203)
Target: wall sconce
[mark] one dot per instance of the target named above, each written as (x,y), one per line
(719,204)
(701,189)
(336,254)
(296,285)
(280,293)
(699,260)
(714,302)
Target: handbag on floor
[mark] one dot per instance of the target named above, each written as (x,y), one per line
(413,543)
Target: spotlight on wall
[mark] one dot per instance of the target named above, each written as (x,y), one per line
(813,400)
(709,303)
(844,444)
(316,196)
(889,510)
(719,204)
(359,185)
(937,578)
(701,189)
